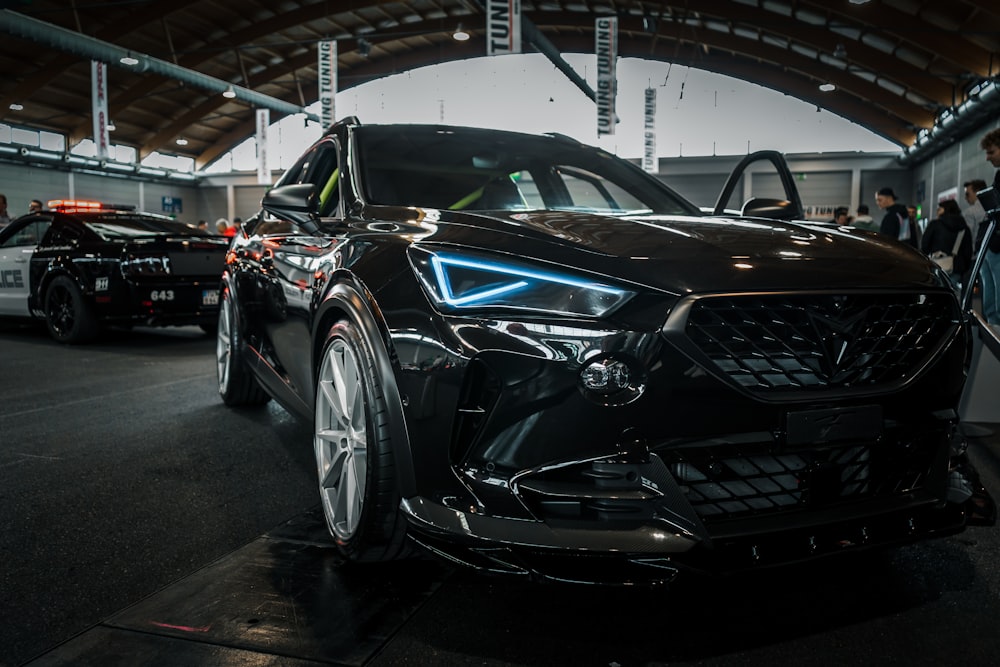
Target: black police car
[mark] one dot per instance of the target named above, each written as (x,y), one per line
(81,264)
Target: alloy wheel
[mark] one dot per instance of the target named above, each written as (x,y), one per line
(341,439)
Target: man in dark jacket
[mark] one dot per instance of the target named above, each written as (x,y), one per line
(896,223)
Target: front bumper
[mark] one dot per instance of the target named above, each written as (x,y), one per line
(650,554)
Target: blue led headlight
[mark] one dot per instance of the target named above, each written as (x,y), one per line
(465,282)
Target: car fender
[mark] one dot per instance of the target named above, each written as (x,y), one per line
(347,298)
(54,269)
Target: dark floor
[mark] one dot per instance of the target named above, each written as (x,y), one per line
(132,504)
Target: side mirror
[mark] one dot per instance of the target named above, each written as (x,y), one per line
(764,207)
(296,203)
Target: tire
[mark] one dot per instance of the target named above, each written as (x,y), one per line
(68,315)
(354,454)
(237,385)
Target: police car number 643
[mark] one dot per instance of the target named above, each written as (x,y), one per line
(82,264)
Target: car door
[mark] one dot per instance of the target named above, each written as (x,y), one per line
(17,246)
(281,253)
(788,207)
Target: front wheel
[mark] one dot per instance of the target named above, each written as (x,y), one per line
(354,456)
(237,385)
(68,315)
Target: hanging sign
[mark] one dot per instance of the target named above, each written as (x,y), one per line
(503,27)
(606,46)
(649,162)
(263,121)
(99,106)
(327,68)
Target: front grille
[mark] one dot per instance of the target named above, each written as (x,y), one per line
(784,343)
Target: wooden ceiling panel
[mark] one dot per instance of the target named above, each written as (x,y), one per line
(896,63)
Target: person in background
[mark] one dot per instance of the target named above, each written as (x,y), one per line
(4,217)
(974,214)
(203,225)
(237,226)
(989,273)
(896,223)
(863,220)
(942,234)
(911,213)
(35,206)
(222,227)
(840,215)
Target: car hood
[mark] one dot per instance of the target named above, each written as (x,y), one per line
(693,254)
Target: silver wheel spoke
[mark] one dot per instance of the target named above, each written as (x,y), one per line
(223,346)
(341,440)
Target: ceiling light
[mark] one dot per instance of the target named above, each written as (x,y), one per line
(14,106)
(460,35)
(181,141)
(840,51)
(129,59)
(827,87)
(229,93)
(365,47)
(859,2)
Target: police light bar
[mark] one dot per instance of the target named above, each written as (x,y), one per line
(84,205)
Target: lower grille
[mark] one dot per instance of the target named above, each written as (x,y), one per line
(736,481)
(758,483)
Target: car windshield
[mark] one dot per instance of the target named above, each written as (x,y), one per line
(110,226)
(468,169)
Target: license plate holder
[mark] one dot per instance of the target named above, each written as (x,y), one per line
(816,427)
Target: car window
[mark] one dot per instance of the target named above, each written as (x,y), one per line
(448,168)
(27,236)
(116,226)
(321,168)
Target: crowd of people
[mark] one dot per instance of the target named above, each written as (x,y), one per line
(953,237)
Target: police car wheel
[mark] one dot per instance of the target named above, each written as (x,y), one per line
(70,318)
(237,385)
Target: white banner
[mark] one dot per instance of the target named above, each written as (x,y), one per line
(606,46)
(327,67)
(263,121)
(503,27)
(99,106)
(649,162)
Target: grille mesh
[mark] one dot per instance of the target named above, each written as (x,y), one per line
(774,343)
(759,483)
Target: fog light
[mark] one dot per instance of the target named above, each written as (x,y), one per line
(605,376)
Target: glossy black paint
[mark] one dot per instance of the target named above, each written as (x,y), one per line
(494,424)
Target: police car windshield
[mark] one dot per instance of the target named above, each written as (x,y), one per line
(118,226)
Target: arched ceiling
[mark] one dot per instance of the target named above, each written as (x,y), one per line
(896,64)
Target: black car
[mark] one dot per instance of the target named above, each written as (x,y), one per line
(527,355)
(83,264)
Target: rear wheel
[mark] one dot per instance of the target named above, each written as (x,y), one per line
(70,318)
(354,456)
(237,385)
